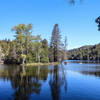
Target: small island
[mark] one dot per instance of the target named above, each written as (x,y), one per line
(27,49)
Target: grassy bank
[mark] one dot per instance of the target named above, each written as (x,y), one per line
(42,64)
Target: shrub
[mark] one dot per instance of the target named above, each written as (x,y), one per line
(45,60)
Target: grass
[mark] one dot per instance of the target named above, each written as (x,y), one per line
(42,64)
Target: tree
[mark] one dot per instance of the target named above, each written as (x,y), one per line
(73,1)
(65,48)
(28,37)
(23,58)
(98,22)
(23,39)
(44,53)
(55,45)
(20,38)
(1,54)
(5,45)
(37,48)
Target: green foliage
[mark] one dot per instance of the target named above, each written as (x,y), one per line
(56,45)
(44,53)
(23,56)
(98,22)
(27,48)
(85,53)
(45,60)
(1,54)
(29,58)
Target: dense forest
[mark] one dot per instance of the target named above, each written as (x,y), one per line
(27,48)
(90,53)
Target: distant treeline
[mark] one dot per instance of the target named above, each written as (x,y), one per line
(27,48)
(91,53)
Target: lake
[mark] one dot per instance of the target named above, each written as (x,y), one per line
(74,81)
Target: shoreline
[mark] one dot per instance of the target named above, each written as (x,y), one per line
(40,64)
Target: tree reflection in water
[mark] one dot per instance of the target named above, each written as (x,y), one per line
(25,85)
(57,80)
(26,81)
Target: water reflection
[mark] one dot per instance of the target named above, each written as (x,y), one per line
(57,80)
(25,81)
(24,85)
(61,82)
(28,81)
(97,74)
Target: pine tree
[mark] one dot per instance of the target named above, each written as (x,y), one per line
(98,22)
(65,48)
(55,45)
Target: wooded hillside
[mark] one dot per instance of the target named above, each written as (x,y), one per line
(90,52)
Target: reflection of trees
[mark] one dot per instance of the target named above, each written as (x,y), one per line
(24,85)
(25,81)
(97,74)
(57,80)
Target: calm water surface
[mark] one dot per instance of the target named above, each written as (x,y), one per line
(74,81)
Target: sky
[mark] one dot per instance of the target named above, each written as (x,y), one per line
(77,21)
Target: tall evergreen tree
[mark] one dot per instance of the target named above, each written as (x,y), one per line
(55,45)
(65,48)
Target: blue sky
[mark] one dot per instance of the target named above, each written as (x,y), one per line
(77,22)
